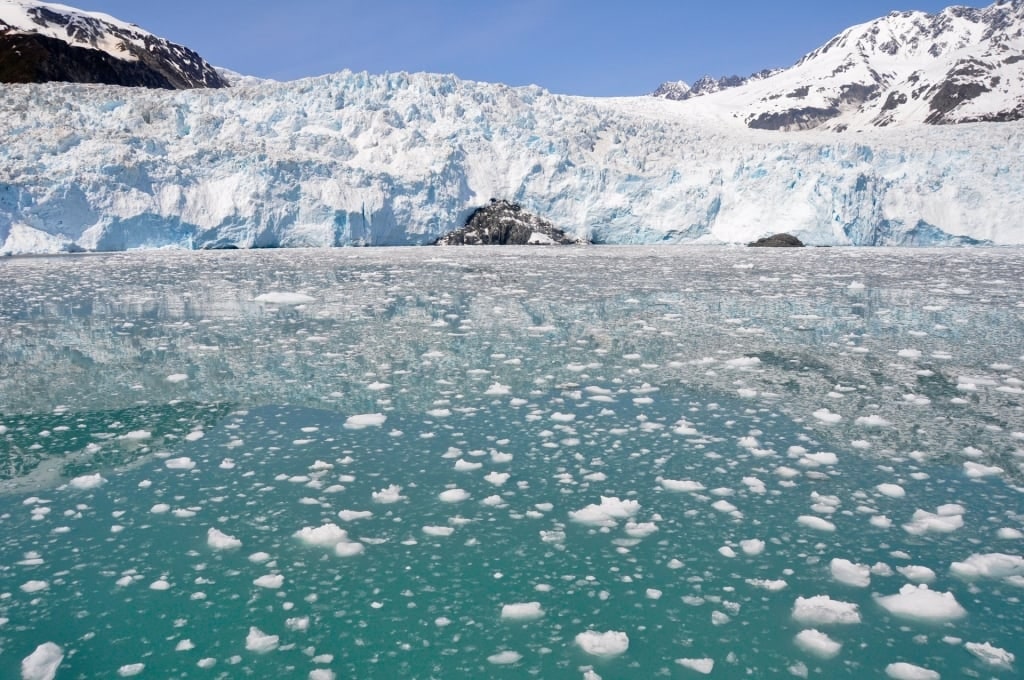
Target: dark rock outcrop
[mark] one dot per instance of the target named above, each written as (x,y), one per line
(506,224)
(777,241)
(58,44)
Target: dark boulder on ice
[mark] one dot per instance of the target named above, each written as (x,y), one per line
(777,241)
(503,223)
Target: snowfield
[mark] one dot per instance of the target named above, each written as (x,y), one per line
(400,159)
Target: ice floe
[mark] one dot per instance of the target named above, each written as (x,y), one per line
(919,603)
(604,644)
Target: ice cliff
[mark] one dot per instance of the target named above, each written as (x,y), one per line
(399,159)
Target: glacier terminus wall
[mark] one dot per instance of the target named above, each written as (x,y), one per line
(399,159)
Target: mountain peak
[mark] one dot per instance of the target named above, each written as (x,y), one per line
(42,42)
(959,65)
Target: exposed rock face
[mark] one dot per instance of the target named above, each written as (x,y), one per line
(40,42)
(777,241)
(680,91)
(506,224)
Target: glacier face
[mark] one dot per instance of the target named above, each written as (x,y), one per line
(400,159)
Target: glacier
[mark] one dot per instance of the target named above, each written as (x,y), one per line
(400,159)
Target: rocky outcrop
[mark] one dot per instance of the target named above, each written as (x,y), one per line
(41,43)
(503,223)
(777,241)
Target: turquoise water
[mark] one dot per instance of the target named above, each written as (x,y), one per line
(166,437)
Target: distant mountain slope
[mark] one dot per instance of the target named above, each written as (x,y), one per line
(957,66)
(44,42)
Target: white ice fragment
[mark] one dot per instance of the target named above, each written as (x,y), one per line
(505,658)
(908,671)
(463,465)
(991,565)
(917,573)
(977,470)
(850,573)
(349,549)
(606,513)
(260,642)
(498,390)
(218,540)
(522,611)
(702,666)
(991,655)
(34,586)
(160,584)
(640,529)
(1009,534)
(326,536)
(353,515)
(610,643)
(42,663)
(826,416)
(891,490)
(270,581)
(919,603)
(363,420)
(438,531)
(909,353)
(873,420)
(497,478)
(817,643)
(176,378)
(816,523)
(946,519)
(726,551)
(768,584)
(85,482)
(453,495)
(322,674)
(389,495)
(131,670)
(183,463)
(286,299)
(822,610)
(682,485)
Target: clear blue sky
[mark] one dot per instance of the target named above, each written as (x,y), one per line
(587,47)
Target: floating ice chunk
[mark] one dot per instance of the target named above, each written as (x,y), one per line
(919,603)
(816,523)
(176,378)
(818,459)
(767,584)
(438,531)
(563,417)
(817,643)
(42,663)
(992,565)
(183,463)
(326,536)
(909,353)
(702,666)
(389,495)
(908,671)
(873,420)
(218,540)
(605,514)
(136,435)
(498,390)
(946,519)
(349,549)
(1009,534)
(34,586)
(270,581)
(640,529)
(681,485)
(991,655)
(160,584)
(322,674)
(363,420)
(463,465)
(826,416)
(282,298)
(505,658)
(917,573)
(453,496)
(86,482)
(723,505)
(522,611)
(353,515)
(497,478)
(881,521)
(260,642)
(195,435)
(822,610)
(131,670)
(726,551)
(610,643)
(977,470)
(845,571)
(653,594)
(743,362)
(891,490)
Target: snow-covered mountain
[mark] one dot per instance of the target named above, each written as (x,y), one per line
(680,90)
(44,42)
(400,159)
(959,65)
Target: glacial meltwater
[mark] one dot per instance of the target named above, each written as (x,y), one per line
(573,463)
